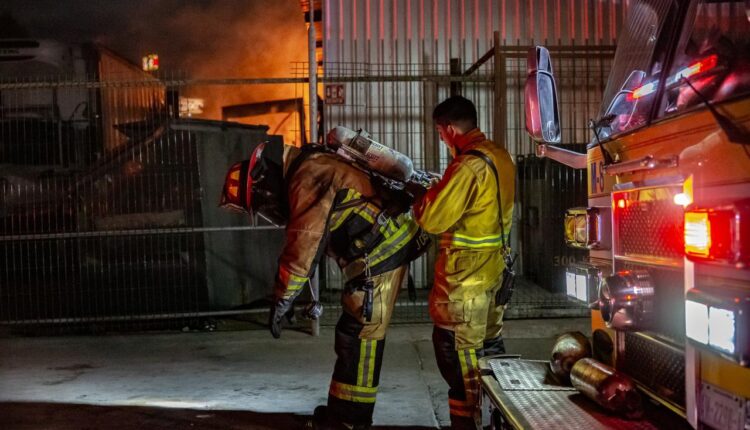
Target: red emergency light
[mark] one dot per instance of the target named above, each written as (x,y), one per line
(703,65)
(719,234)
(643,90)
(700,66)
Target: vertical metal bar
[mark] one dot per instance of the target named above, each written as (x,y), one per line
(313,79)
(47,246)
(313,95)
(501,96)
(455,70)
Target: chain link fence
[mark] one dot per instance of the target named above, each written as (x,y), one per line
(110,186)
(394,103)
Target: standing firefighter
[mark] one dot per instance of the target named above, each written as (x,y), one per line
(464,209)
(330,206)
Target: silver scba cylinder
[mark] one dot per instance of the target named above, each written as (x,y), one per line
(609,388)
(359,146)
(626,300)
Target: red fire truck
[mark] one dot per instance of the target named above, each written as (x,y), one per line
(667,224)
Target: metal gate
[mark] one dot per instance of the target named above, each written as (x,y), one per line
(394,103)
(109,195)
(109,207)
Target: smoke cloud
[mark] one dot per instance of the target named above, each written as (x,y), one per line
(194,38)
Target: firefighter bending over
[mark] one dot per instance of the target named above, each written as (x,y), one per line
(330,206)
(463,208)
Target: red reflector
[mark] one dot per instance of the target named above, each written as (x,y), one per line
(697,234)
(709,234)
(643,91)
(699,66)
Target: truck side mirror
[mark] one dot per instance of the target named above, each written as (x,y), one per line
(542,113)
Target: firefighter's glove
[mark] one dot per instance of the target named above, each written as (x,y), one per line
(279,309)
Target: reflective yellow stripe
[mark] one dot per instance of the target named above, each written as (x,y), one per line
(371,359)
(293,283)
(394,242)
(361,362)
(339,216)
(457,240)
(460,408)
(367,210)
(353,393)
(366,367)
(337,219)
(397,233)
(468,360)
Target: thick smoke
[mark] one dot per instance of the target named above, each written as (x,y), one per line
(194,38)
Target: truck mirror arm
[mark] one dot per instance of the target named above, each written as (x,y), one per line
(569,158)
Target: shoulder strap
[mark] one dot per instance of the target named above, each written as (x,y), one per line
(305,152)
(487,160)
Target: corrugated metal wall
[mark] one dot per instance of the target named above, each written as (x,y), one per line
(397,59)
(404,40)
(431,32)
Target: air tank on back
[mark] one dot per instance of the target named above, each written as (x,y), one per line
(359,146)
(568,349)
(609,388)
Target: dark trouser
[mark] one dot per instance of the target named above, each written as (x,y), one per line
(493,346)
(460,371)
(351,398)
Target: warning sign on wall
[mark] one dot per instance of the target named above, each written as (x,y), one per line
(334,94)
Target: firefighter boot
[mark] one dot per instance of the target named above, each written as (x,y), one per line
(321,421)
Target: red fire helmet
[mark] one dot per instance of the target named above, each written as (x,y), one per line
(238,185)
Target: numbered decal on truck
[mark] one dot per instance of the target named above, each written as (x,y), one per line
(596,178)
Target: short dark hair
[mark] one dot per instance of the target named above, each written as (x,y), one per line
(456,110)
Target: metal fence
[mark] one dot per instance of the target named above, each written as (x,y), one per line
(109,189)
(109,206)
(394,103)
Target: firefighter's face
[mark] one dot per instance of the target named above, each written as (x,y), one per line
(448,135)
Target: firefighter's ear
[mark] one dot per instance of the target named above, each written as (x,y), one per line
(453,131)
(450,130)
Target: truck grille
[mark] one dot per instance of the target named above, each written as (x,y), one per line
(659,367)
(649,224)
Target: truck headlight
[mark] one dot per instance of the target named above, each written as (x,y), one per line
(721,329)
(587,228)
(717,318)
(582,281)
(696,321)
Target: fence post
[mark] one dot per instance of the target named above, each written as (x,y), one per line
(501,96)
(313,100)
(455,71)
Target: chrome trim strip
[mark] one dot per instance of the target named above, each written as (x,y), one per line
(646,163)
(652,261)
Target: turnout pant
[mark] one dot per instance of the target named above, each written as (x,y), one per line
(459,341)
(359,349)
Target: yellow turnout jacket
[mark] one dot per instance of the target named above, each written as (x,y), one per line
(463,210)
